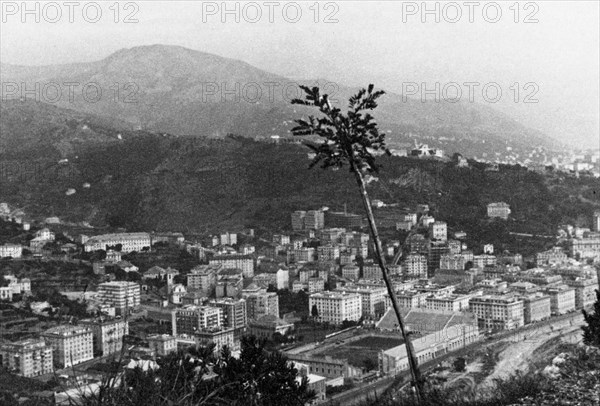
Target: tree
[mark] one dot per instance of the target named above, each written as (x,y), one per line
(314,312)
(591,332)
(350,139)
(256,378)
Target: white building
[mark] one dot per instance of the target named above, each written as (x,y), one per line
(129,242)
(121,295)
(498,312)
(335,307)
(71,345)
(108,334)
(11,250)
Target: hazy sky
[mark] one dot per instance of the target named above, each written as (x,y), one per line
(394,44)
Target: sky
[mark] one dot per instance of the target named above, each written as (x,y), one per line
(535,61)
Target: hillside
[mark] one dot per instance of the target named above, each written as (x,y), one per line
(146,181)
(185,92)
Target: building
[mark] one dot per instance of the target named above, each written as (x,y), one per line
(190,319)
(162,344)
(27,358)
(415,266)
(344,220)
(123,296)
(129,242)
(6,293)
(498,312)
(108,334)
(372,299)
(316,285)
(585,291)
(438,231)
(347,258)
(536,307)
(585,247)
(298,220)
(219,336)
(562,299)
(156,272)
(314,220)
(235,314)
(328,253)
(450,303)
(596,221)
(203,278)
(335,307)
(481,261)
(351,272)
(235,261)
(71,345)
(408,299)
(229,283)
(452,262)
(228,239)
(304,254)
(553,256)
(498,210)
(178,291)
(11,250)
(325,365)
(260,303)
(267,326)
(436,250)
(427,348)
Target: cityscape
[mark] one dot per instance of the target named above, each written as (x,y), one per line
(183,239)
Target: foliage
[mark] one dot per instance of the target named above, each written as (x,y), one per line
(591,332)
(257,378)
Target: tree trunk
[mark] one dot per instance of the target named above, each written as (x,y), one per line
(410,352)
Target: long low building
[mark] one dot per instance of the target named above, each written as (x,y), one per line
(428,347)
(129,242)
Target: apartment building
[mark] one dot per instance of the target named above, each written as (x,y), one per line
(481,261)
(219,336)
(189,319)
(162,344)
(351,272)
(585,291)
(585,247)
(347,258)
(235,261)
(438,231)
(298,220)
(452,262)
(314,220)
(260,303)
(553,256)
(108,334)
(328,253)
(11,250)
(71,345)
(304,254)
(498,312)
(415,266)
(123,296)
(203,278)
(562,299)
(28,358)
(235,314)
(373,300)
(129,242)
(316,285)
(408,299)
(335,307)
(451,303)
(344,220)
(536,307)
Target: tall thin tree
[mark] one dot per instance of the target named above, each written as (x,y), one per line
(351,139)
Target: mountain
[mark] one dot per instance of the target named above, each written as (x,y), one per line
(185,92)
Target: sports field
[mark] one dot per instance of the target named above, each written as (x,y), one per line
(364,348)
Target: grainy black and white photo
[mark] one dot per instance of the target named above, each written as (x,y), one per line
(299,203)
